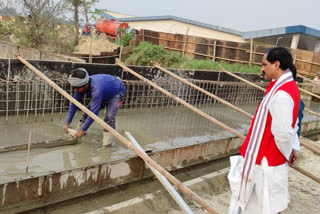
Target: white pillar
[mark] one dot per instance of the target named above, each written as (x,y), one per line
(317,46)
(295,41)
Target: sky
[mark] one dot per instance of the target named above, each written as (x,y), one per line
(242,15)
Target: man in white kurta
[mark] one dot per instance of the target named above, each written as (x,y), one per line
(258,186)
(273,180)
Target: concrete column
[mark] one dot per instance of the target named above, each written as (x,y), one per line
(317,46)
(295,41)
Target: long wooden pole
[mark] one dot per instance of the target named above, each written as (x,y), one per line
(208,117)
(299,75)
(203,91)
(258,87)
(185,42)
(310,144)
(310,93)
(306,173)
(174,194)
(122,139)
(251,50)
(306,73)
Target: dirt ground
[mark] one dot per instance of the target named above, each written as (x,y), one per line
(304,193)
(99,44)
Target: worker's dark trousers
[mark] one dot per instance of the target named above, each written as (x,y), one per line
(112,106)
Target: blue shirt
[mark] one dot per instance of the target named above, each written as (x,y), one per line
(101,87)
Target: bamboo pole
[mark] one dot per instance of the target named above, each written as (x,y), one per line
(242,79)
(311,145)
(214,50)
(90,55)
(304,61)
(306,173)
(294,58)
(198,43)
(257,53)
(305,78)
(310,93)
(185,42)
(191,107)
(306,73)
(122,139)
(206,55)
(120,54)
(251,50)
(256,86)
(174,194)
(203,91)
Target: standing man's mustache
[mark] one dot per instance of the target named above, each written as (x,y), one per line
(262,74)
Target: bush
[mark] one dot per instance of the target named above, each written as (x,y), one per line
(125,39)
(146,53)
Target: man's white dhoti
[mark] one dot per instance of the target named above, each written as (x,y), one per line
(269,193)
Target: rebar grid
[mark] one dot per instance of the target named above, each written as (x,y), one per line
(24,97)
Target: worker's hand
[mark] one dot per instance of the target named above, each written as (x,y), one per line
(293,157)
(65,127)
(79,134)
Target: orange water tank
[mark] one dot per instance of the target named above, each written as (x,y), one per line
(109,26)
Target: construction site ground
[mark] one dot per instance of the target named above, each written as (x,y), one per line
(209,181)
(94,45)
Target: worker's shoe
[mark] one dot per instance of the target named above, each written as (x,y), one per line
(106,140)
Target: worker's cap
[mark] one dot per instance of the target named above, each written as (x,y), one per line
(78,77)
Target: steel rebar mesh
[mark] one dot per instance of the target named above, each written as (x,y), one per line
(154,110)
(34,97)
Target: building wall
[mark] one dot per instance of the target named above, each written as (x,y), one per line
(176,27)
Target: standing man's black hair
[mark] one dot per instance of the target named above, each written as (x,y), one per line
(284,57)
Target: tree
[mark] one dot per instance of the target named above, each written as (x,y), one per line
(76,7)
(76,4)
(36,26)
(87,4)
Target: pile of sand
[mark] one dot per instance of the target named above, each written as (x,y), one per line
(100,44)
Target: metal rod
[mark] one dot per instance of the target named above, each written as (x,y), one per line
(7,107)
(28,153)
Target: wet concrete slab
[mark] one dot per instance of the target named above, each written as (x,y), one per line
(74,170)
(157,129)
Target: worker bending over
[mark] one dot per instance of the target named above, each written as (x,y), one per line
(104,90)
